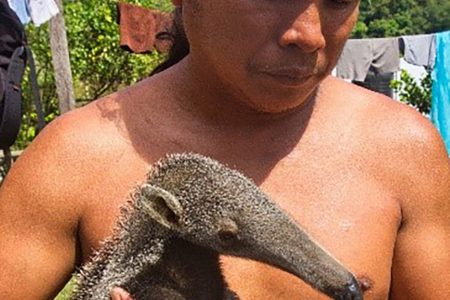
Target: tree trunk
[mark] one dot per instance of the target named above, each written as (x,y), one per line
(61,62)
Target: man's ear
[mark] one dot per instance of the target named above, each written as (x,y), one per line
(161,205)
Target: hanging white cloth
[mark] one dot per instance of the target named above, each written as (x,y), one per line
(42,10)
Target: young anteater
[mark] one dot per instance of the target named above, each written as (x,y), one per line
(190,210)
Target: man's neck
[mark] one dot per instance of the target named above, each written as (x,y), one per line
(200,117)
(207,98)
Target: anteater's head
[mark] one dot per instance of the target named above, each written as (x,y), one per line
(213,206)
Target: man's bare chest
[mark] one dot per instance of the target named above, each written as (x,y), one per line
(347,212)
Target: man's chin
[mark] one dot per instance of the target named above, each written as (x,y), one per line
(281,106)
(284,100)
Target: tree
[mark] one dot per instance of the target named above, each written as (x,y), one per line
(385,18)
(416,94)
(99,65)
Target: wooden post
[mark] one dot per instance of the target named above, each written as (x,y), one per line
(61,62)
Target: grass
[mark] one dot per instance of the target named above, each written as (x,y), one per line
(65,293)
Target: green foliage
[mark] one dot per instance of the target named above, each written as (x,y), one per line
(66,293)
(4,168)
(384,18)
(417,94)
(99,65)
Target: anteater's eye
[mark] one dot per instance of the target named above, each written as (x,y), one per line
(228,231)
(227,236)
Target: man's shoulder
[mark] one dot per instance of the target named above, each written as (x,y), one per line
(72,153)
(75,140)
(97,126)
(79,131)
(388,121)
(401,144)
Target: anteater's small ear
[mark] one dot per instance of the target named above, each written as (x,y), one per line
(161,205)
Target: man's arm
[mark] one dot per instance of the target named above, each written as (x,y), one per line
(421,264)
(38,221)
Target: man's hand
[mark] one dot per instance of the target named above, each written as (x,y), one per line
(120,294)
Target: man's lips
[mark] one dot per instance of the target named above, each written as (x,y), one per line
(289,76)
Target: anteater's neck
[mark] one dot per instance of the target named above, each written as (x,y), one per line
(185,271)
(152,263)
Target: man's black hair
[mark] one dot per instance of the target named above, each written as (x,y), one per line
(180,47)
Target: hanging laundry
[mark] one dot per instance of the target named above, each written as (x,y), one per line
(355,60)
(420,50)
(143,29)
(440,90)
(20,7)
(381,55)
(42,10)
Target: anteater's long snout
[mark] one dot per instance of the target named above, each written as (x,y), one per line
(286,246)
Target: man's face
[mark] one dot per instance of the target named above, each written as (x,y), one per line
(271,54)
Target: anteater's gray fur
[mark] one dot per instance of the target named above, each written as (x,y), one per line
(191,209)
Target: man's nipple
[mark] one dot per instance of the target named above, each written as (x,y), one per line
(365,282)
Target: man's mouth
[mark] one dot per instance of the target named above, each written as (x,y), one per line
(289,76)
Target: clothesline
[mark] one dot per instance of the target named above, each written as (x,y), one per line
(382,55)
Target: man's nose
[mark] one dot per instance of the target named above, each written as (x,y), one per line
(305,32)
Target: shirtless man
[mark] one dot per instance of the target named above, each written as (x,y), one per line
(366,176)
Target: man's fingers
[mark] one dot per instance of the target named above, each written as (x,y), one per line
(120,294)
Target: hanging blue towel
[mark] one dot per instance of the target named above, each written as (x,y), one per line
(20,7)
(440,91)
